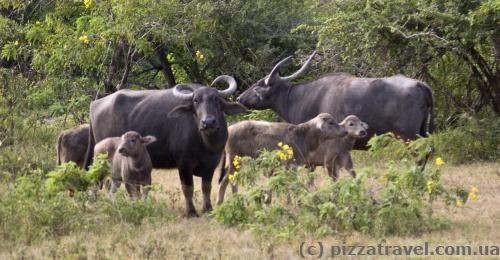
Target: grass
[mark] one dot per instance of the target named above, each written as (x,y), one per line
(202,238)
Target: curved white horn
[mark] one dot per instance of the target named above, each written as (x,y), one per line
(301,71)
(230,80)
(274,71)
(180,91)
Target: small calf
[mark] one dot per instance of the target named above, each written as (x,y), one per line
(335,153)
(131,163)
(72,145)
(249,138)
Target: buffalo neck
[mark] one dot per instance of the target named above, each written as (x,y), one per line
(139,162)
(290,102)
(281,103)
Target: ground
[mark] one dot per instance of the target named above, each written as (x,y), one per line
(201,238)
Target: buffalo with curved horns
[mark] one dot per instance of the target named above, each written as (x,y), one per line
(188,122)
(395,104)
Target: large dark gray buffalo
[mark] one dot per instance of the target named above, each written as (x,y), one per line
(188,122)
(395,104)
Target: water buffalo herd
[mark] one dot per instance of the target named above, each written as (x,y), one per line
(185,127)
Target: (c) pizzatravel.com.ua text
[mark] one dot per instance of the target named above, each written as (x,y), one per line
(320,249)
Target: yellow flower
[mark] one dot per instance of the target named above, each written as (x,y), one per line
(232,177)
(439,161)
(472,196)
(459,203)
(16,43)
(286,147)
(282,156)
(429,186)
(84,39)
(236,162)
(37,22)
(199,55)
(472,193)
(87,3)
(280,144)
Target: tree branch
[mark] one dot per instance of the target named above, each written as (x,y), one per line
(165,64)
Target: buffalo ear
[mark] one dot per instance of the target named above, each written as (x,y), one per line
(180,110)
(231,108)
(148,139)
(365,125)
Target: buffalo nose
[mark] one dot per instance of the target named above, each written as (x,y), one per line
(121,150)
(238,99)
(363,132)
(208,121)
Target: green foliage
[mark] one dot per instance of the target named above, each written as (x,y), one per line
(69,176)
(472,140)
(31,212)
(450,44)
(398,202)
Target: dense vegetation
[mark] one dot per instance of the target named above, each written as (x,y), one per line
(56,56)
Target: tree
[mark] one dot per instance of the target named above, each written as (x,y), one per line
(452,44)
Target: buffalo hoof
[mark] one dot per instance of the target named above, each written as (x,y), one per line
(191,214)
(207,209)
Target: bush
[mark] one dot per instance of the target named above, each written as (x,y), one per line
(34,148)
(69,176)
(399,204)
(31,209)
(263,115)
(471,140)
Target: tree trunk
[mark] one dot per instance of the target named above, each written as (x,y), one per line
(166,66)
(128,64)
(109,87)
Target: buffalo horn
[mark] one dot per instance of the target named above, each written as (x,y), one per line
(180,91)
(232,85)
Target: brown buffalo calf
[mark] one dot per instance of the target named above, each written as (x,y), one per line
(335,153)
(249,138)
(131,163)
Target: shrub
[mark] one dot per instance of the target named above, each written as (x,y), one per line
(399,204)
(472,140)
(34,208)
(469,141)
(68,176)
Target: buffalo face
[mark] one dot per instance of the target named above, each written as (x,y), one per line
(327,125)
(207,104)
(261,95)
(133,144)
(355,127)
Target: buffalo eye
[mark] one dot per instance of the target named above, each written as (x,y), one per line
(132,141)
(195,100)
(350,124)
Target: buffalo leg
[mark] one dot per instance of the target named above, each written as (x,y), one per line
(229,169)
(331,167)
(145,189)
(133,190)
(349,166)
(206,188)
(222,189)
(234,188)
(188,189)
(115,184)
